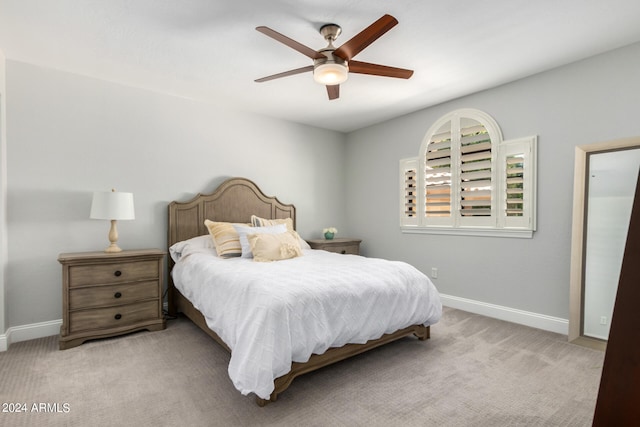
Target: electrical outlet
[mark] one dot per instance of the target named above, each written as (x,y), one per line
(603,320)
(434,273)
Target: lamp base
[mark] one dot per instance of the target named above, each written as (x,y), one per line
(113,238)
(113,248)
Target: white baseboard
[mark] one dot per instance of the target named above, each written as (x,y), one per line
(29,332)
(527,318)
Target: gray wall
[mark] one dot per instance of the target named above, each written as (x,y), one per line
(69,135)
(590,101)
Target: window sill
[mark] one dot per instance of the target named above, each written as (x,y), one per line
(469,231)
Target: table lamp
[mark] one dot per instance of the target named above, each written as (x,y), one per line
(112,205)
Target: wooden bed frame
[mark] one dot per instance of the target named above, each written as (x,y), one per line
(235,200)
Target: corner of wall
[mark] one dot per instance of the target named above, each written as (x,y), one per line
(3,201)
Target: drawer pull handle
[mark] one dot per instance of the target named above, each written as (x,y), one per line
(343,251)
(117,273)
(118,316)
(117,295)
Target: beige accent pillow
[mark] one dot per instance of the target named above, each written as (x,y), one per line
(274,247)
(256,221)
(225,238)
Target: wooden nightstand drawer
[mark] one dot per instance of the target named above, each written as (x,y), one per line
(112,273)
(340,246)
(112,317)
(98,296)
(344,249)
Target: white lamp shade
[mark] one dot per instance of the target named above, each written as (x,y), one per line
(112,205)
(330,74)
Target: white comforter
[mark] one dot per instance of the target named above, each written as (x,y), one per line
(270,314)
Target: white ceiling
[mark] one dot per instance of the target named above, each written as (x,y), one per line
(209,49)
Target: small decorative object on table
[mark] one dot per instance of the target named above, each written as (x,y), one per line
(330,232)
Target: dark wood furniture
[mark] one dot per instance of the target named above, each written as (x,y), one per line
(108,294)
(235,200)
(619,396)
(339,245)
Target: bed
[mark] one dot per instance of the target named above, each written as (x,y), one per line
(236,200)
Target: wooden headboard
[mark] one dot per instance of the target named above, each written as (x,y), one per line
(235,200)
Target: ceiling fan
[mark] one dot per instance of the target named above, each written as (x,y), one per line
(331,65)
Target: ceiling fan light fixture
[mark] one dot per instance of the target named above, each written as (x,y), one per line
(330,73)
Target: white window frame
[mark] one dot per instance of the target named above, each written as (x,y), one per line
(498,223)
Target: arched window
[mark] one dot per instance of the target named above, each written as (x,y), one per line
(467,180)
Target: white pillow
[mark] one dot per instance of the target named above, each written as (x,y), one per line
(256,221)
(245,231)
(182,248)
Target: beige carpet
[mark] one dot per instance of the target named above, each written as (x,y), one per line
(474,371)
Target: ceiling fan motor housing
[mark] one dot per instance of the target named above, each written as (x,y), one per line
(330,58)
(330,32)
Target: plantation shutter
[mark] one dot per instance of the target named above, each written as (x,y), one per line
(514,194)
(409,192)
(476,170)
(517,162)
(437,179)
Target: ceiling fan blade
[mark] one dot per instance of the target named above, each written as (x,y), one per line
(285,74)
(333,91)
(365,37)
(307,51)
(378,70)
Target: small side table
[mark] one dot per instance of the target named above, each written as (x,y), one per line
(108,294)
(339,245)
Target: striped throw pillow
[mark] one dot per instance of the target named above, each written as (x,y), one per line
(225,237)
(256,221)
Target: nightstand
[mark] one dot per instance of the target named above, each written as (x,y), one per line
(340,245)
(108,294)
